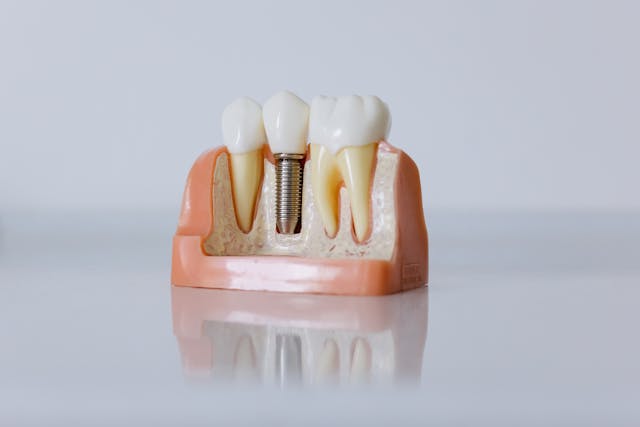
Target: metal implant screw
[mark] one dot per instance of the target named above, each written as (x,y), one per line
(289,168)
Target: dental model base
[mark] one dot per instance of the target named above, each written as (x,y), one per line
(303,200)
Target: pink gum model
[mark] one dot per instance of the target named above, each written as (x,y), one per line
(407,268)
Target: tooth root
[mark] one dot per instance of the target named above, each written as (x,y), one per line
(356,167)
(360,362)
(246,175)
(328,363)
(325,181)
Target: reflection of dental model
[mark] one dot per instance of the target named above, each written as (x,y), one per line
(328,368)
(244,366)
(244,137)
(290,340)
(360,361)
(350,222)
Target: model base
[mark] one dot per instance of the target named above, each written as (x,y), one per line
(193,268)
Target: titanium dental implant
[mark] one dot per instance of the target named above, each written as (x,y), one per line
(286,121)
(289,173)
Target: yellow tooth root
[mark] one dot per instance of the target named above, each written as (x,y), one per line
(246,176)
(326,181)
(356,167)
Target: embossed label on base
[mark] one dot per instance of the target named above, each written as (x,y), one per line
(410,273)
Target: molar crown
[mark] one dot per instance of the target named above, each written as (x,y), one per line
(348,121)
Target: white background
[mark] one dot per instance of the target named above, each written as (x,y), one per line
(504,105)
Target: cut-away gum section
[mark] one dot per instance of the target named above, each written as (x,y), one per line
(210,251)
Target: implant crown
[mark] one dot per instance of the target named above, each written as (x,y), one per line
(286,121)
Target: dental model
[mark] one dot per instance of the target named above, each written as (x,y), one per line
(303,200)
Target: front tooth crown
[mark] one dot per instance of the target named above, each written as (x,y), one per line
(286,120)
(348,121)
(242,128)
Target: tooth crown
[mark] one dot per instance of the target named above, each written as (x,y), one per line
(242,129)
(345,121)
(286,120)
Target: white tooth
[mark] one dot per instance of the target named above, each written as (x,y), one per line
(243,134)
(244,363)
(360,362)
(286,120)
(328,363)
(349,128)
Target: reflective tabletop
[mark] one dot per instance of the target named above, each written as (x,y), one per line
(529,319)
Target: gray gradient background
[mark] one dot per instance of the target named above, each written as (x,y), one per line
(504,105)
(523,117)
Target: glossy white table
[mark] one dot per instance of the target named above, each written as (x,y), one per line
(532,320)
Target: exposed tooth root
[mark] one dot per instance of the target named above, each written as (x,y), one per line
(326,180)
(356,167)
(246,174)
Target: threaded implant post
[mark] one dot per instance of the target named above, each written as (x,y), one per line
(289,168)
